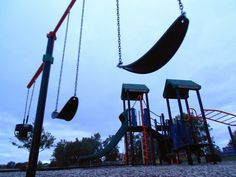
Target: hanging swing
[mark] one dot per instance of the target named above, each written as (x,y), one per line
(163,50)
(23,130)
(69,110)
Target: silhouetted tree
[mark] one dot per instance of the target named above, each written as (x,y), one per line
(196,126)
(46,142)
(90,145)
(68,152)
(199,132)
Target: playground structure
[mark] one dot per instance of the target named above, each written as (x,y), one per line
(163,51)
(137,93)
(161,142)
(183,137)
(154,137)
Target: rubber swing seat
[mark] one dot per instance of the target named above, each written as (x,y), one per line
(163,50)
(68,111)
(22,130)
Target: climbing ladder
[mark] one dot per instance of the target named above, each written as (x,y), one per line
(145,135)
(217,116)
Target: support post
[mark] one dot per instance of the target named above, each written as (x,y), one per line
(152,141)
(188,148)
(180,106)
(38,124)
(191,122)
(205,124)
(170,117)
(126,140)
(192,127)
(163,123)
(189,155)
(169,111)
(232,138)
(130,132)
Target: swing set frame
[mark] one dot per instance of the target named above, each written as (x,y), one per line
(45,70)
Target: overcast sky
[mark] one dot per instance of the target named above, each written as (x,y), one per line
(207,56)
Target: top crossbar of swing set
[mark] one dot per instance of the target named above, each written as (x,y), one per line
(53,35)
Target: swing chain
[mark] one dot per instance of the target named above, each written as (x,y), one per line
(118,32)
(26,105)
(181,7)
(79,49)
(30,103)
(62,61)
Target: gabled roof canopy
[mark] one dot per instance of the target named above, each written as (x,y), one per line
(132,91)
(183,86)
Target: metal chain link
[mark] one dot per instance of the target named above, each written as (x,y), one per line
(79,49)
(118,32)
(181,7)
(30,103)
(62,62)
(26,105)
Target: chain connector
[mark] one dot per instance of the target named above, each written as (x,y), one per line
(119,64)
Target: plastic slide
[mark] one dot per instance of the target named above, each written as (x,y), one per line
(114,141)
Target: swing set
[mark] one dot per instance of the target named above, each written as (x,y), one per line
(162,51)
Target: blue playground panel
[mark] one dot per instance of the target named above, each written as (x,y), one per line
(146,117)
(133,117)
(181,135)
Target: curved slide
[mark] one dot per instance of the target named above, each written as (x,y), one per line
(114,141)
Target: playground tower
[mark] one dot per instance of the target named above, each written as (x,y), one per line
(183,137)
(136,93)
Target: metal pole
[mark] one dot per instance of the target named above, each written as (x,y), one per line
(232,138)
(130,132)
(126,140)
(205,123)
(38,124)
(34,151)
(190,120)
(188,148)
(169,110)
(180,106)
(152,142)
(36,75)
(192,127)
(163,123)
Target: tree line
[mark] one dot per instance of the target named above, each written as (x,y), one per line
(67,153)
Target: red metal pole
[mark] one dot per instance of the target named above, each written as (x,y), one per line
(53,33)
(36,75)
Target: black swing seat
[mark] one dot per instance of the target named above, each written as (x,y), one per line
(163,50)
(22,130)
(68,111)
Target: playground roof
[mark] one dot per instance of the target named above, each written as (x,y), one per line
(133,91)
(182,85)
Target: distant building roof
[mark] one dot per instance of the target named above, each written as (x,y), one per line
(132,91)
(183,86)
